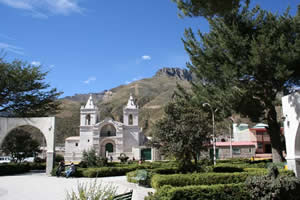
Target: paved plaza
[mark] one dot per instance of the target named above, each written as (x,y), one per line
(39,186)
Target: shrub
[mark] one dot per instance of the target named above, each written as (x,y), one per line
(123,158)
(37,166)
(273,186)
(14,168)
(227,168)
(90,159)
(220,192)
(59,158)
(158,181)
(93,191)
(107,171)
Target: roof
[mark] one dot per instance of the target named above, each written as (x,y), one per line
(243,143)
(73,138)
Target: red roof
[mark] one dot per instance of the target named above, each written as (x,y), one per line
(245,143)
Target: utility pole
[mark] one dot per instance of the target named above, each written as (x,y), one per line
(213,130)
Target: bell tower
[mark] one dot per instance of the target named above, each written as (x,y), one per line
(88,113)
(131,113)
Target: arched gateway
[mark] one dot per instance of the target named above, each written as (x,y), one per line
(44,124)
(291,115)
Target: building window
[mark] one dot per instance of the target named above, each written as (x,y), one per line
(259,145)
(236,151)
(130,119)
(88,140)
(88,119)
(76,144)
(250,150)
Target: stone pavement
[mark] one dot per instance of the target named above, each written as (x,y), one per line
(39,186)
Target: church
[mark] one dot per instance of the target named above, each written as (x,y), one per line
(108,137)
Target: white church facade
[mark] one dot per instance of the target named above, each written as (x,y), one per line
(109,137)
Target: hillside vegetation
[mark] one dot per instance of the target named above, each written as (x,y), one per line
(151,95)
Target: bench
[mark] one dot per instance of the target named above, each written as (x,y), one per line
(125,196)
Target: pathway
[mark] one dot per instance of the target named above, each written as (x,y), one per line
(39,186)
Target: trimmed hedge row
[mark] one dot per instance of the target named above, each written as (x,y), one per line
(158,181)
(203,192)
(11,169)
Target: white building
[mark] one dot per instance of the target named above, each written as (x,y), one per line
(108,137)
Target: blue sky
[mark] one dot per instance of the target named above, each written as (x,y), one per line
(94,45)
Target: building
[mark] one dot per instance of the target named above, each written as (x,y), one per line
(246,142)
(109,137)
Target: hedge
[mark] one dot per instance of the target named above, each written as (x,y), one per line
(14,168)
(158,181)
(203,192)
(227,168)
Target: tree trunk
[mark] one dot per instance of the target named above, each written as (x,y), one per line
(275,135)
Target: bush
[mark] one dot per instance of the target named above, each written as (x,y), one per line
(158,181)
(227,168)
(107,171)
(37,166)
(220,192)
(14,168)
(59,158)
(273,186)
(93,191)
(123,158)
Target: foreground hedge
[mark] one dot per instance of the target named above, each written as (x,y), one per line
(11,169)
(158,181)
(203,192)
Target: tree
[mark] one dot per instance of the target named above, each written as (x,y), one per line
(207,8)
(19,145)
(183,131)
(245,62)
(23,92)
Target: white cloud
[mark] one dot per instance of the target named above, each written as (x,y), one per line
(11,48)
(90,79)
(146,57)
(44,8)
(35,63)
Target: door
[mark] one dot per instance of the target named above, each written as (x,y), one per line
(109,147)
(146,154)
(211,154)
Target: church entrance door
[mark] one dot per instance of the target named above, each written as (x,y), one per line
(109,147)
(146,154)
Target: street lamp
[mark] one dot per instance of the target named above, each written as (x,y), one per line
(213,121)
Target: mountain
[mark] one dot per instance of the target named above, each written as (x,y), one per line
(151,94)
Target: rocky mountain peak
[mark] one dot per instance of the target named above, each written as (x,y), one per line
(182,74)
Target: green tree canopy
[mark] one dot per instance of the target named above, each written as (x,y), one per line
(245,62)
(23,91)
(19,145)
(207,8)
(183,131)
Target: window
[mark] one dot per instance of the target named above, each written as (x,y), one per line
(76,144)
(236,151)
(130,119)
(250,150)
(259,145)
(88,119)
(88,140)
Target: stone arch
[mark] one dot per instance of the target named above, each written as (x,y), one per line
(103,144)
(108,130)
(46,126)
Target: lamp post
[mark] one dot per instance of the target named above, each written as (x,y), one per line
(213,129)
